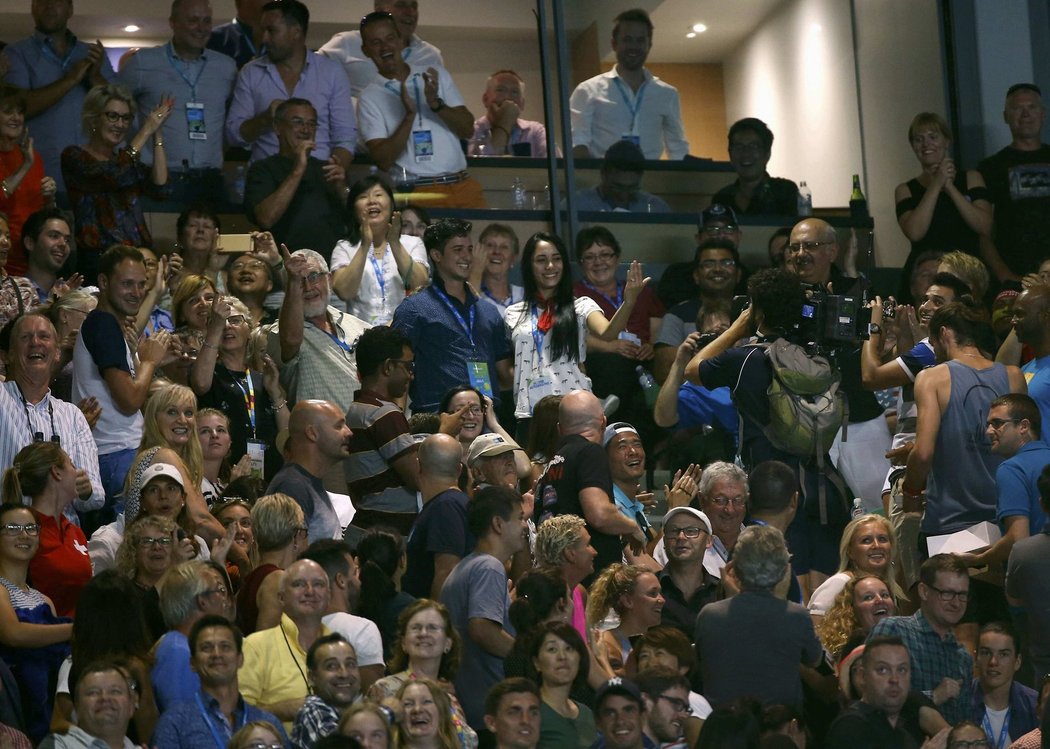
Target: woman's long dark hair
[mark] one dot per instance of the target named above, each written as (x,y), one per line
(378,555)
(109,623)
(564,336)
(357,189)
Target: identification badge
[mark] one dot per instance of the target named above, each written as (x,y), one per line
(632,138)
(257,457)
(195,121)
(478,374)
(423,145)
(626,335)
(539,388)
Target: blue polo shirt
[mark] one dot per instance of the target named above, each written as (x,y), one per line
(1037,376)
(1016,484)
(436,325)
(199,723)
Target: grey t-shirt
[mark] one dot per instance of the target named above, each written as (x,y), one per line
(477,589)
(1028,578)
(308,490)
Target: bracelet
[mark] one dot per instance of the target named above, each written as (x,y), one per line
(158,144)
(3,188)
(279,406)
(209,345)
(133,152)
(278,265)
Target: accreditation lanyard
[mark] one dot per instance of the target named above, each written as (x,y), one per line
(634,103)
(537,334)
(394,87)
(249,396)
(220,742)
(378,269)
(346,347)
(169,50)
(1004,732)
(468,327)
(614,302)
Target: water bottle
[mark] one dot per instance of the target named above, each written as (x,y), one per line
(858,508)
(238,184)
(649,386)
(805,199)
(517,194)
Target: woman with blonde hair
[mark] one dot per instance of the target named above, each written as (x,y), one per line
(863,600)
(67,313)
(427,647)
(191,301)
(235,511)
(366,723)
(256,734)
(868,545)
(280,534)
(149,549)
(426,721)
(43,472)
(170,436)
(106,182)
(634,595)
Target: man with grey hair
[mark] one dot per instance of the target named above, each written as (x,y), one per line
(312,341)
(722,496)
(578,480)
(345,47)
(188,592)
(727,631)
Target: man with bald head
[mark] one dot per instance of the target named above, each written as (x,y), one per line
(811,253)
(345,47)
(241,38)
(501,130)
(272,676)
(1031,315)
(577,480)
(318,439)
(439,537)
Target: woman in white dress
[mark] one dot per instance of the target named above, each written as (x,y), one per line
(373,282)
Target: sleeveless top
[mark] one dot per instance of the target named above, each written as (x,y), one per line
(247,606)
(133,492)
(960,490)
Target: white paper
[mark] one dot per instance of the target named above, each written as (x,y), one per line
(344,508)
(975,537)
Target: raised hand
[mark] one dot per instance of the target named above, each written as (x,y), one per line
(635,281)
(294,265)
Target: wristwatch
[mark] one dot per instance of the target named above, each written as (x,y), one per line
(438,105)
(874,327)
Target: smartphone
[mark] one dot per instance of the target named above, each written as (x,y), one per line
(230,244)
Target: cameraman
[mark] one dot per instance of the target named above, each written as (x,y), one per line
(811,253)
(776,304)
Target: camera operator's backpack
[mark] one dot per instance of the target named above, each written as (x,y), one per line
(806,404)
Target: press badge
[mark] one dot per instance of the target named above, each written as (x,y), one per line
(539,389)
(257,457)
(631,138)
(478,375)
(423,145)
(195,120)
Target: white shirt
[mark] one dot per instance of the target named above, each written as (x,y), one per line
(114,431)
(535,375)
(345,48)
(517,294)
(380,111)
(375,302)
(362,633)
(601,115)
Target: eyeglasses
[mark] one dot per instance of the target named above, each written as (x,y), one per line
(680,706)
(302,530)
(117,117)
(313,277)
(150,541)
(245,522)
(17,529)
(264,745)
(220,591)
(692,531)
(410,366)
(727,262)
(717,229)
(603,257)
(723,502)
(806,246)
(235,320)
(998,424)
(430,629)
(975,744)
(950,595)
(248,265)
(300,122)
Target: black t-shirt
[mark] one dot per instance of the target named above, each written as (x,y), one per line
(440,528)
(577,464)
(1019,184)
(227,394)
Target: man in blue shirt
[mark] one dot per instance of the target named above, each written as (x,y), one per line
(455,339)
(218,710)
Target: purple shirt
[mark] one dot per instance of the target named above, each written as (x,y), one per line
(524,131)
(323,83)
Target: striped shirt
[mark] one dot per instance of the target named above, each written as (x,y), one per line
(381,436)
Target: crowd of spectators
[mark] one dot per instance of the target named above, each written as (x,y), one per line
(279,497)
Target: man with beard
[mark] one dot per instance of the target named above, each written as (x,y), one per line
(1031,313)
(716,271)
(665,695)
(628,102)
(686,585)
(319,440)
(47,238)
(313,343)
(335,683)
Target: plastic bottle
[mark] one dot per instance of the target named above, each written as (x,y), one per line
(858,508)
(238,183)
(805,199)
(649,386)
(517,194)
(858,204)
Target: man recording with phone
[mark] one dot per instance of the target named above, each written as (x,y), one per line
(776,301)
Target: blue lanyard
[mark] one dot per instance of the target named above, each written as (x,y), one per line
(169,50)
(249,396)
(537,335)
(377,268)
(347,348)
(419,102)
(471,312)
(49,50)
(1004,732)
(614,302)
(246,35)
(394,87)
(500,302)
(220,742)
(634,104)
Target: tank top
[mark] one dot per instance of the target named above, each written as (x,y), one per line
(247,607)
